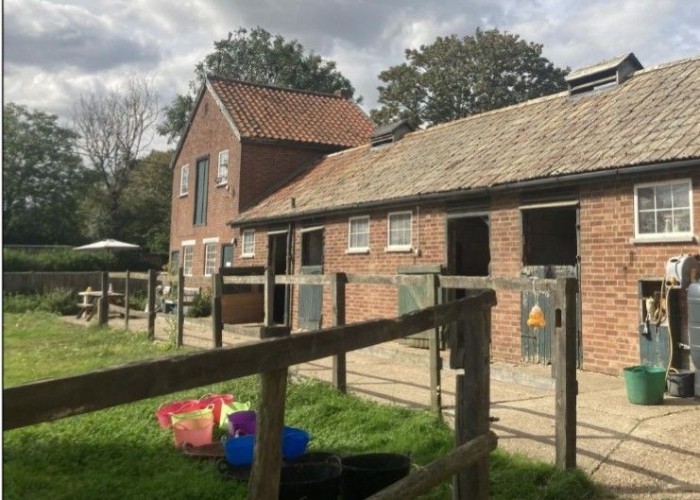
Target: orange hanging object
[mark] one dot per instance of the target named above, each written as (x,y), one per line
(536,318)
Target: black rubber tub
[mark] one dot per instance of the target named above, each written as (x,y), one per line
(310,481)
(364,475)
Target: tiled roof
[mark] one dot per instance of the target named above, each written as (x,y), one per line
(654,117)
(263,112)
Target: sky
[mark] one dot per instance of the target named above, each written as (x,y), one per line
(56,50)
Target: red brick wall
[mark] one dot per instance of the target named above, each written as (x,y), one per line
(264,166)
(253,169)
(611,266)
(208,134)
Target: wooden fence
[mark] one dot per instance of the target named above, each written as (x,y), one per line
(52,399)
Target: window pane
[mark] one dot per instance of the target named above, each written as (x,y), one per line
(680,196)
(646,223)
(664,197)
(664,221)
(359,233)
(645,198)
(681,220)
(400,230)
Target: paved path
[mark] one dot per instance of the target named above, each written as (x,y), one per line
(638,452)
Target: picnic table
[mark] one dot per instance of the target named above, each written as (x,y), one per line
(88,306)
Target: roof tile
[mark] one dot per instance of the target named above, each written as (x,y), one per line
(652,117)
(262,112)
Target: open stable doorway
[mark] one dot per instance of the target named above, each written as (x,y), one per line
(550,242)
(278,260)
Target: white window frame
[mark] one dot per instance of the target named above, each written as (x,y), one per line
(672,235)
(187,259)
(358,249)
(184,179)
(248,234)
(399,247)
(210,256)
(222,169)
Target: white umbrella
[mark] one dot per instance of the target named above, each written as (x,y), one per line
(108,244)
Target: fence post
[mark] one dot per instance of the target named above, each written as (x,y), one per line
(217,326)
(267,460)
(269,296)
(152,277)
(180,306)
(473,402)
(126,300)
(338,281)
(103,305)
(434,353)
(565,384)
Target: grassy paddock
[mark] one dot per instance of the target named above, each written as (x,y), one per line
(122,453)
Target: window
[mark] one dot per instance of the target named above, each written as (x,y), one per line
(209,258)
(184,180)
(200,196)
(187,259)
(174,261)
(399,231)
(248,243)
(663,210)
(227,255)
(358,234)
(222,171)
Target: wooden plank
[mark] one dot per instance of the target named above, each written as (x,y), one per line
(53,399)
(566,386)
(473,402)
(133,313)
(267,455)
(133,276)
(103,308)
(338,319)
(244,280)
(392,279)
(434,352)
(247,307)
(180,307)
(269,294)
(424,479)
(152,282)
(127,278)
(500,283)
(217,325)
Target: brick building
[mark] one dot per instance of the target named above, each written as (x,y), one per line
(600,182)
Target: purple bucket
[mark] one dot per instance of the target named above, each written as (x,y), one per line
(241,423)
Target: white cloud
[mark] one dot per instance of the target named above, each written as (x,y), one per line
(56,49)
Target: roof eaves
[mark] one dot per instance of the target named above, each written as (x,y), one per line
(190,119)
(224,110)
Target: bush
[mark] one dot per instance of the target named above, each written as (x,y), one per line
(70,260)
(201,306)
(63,302)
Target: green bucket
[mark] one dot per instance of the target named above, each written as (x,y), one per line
(645,385)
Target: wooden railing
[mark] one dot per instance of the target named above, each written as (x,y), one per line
(271,357)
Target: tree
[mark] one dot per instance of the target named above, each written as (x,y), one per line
(42,179)
(115,129)
(457,77)
(256,56)
(146,203)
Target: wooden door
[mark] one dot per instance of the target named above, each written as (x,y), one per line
(311,296)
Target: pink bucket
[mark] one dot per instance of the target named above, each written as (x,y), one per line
(216,400)
(193,431)
(242,422)
(163,412)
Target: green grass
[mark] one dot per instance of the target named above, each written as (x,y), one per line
(122,453)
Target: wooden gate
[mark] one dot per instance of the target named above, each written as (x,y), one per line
(536,343)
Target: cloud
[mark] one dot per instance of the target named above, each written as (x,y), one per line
(51,36)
